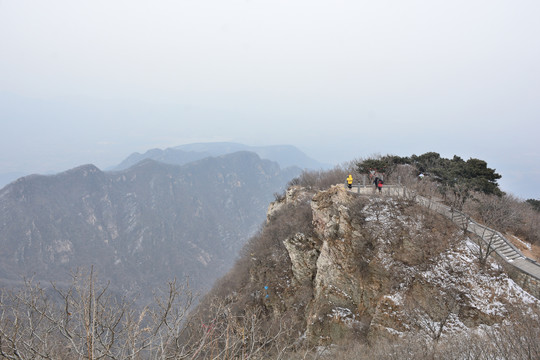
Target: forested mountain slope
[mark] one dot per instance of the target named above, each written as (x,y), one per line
(139,227)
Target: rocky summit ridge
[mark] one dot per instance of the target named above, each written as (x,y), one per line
(334,264)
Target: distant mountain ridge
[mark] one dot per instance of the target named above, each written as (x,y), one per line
(6,178)
(284,155)
(141,226)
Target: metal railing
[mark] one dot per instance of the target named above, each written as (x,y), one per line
(501,246)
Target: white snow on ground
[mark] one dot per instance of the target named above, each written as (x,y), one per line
(341,292)
(457,270)
(485,290)
(527,245)
(344,315)
(396,298)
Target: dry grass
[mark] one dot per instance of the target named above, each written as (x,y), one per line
(529,250)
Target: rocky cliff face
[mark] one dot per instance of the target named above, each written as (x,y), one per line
(372,266)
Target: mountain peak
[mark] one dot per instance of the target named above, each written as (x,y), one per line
(284,155)
(140,226)
(336,263)
(85,170)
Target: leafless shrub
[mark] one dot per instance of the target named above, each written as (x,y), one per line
(265,262)
(268,246)
(323,179)
(279,196)
(426,188)
(499,212)
(411,347)
(406,175)
(506,214)
(85,320)
(222,331)
(421,243)
(484,246)
(518,338)
(356,209)
(459,346)
(431,309)
(376,208)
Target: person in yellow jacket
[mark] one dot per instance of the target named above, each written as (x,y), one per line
(349,181)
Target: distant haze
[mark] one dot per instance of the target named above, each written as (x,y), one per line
(94,81)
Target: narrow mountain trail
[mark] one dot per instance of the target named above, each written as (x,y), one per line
(494,241)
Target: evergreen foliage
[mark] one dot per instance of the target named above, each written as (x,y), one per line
(454,174)
(385,164)
(534,203)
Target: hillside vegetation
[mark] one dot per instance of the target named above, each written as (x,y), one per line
(331,274)
(469,185)
(381,276)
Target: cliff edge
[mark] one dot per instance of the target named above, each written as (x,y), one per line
(334,265)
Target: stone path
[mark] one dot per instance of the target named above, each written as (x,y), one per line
(492,238)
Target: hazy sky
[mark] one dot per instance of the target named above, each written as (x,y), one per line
(92,81)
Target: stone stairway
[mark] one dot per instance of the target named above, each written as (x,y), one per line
(461,220)
(504,248)
(529,269)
